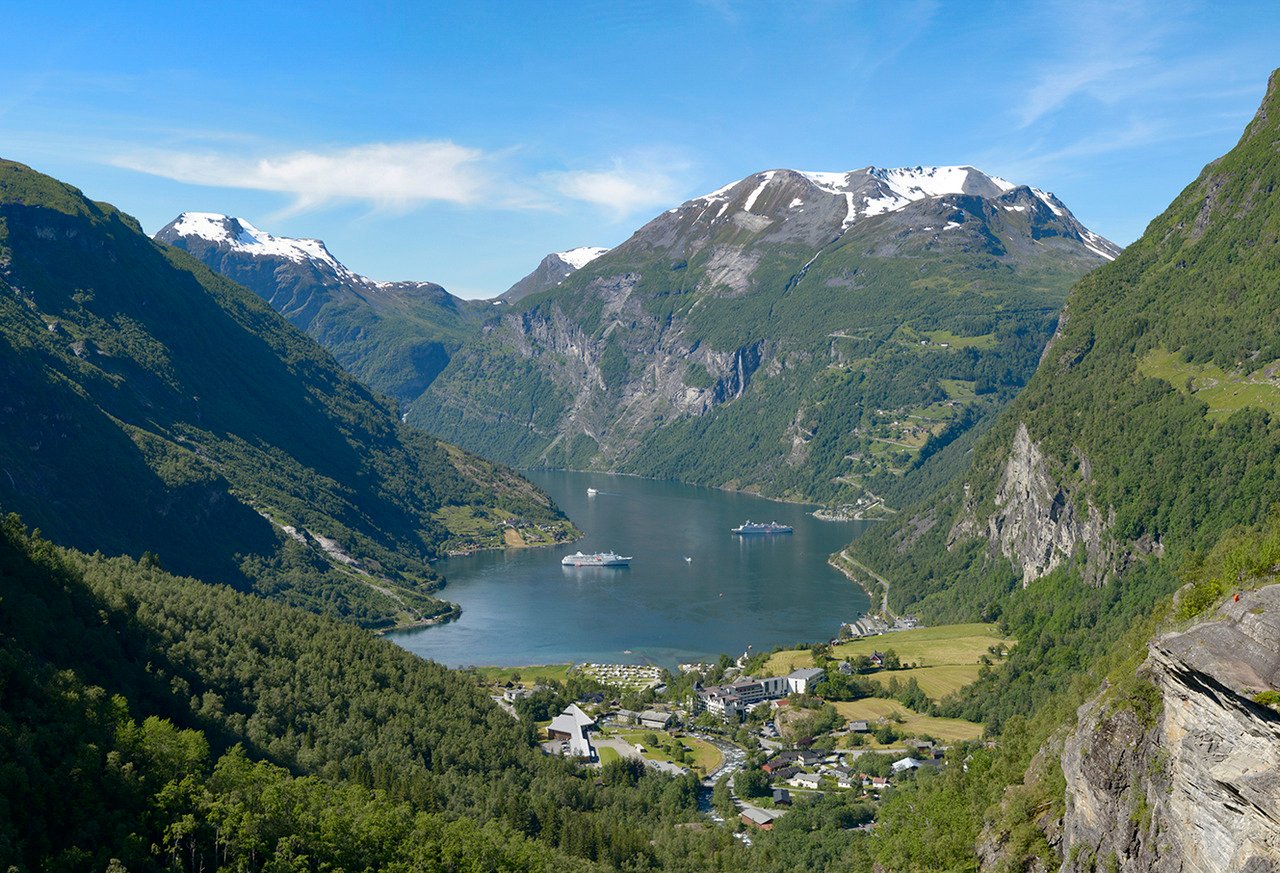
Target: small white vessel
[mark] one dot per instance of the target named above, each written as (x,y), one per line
(688,560)
(591,492)
(599,559)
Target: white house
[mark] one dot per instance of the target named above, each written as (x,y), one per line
(905,764)
(805,780)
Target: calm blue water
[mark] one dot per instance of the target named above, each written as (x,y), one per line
(521,606)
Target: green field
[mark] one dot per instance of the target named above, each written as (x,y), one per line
(937,682)
(938,337)
(958,389)
(782,663)
(527,676)
(945,658)
(1223,392)
(872,709)
(608,755)
(706,757)
(930,646)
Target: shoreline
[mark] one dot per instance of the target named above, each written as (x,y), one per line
(835,561)
(724,488)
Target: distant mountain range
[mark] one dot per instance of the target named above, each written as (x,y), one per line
(153,406)
(812,335)
(395,336)
(853,324)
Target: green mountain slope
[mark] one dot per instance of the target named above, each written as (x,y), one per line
(798,334)
(150,405)
(394,336)
(1150,426)
(174,725)
(1146,436)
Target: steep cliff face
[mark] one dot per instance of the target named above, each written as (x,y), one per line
(1041,520)
(1187,780)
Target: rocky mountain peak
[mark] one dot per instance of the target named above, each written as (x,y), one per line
(813,207)
(551,271)
(232,234)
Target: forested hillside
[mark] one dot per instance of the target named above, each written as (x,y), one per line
(151,406)
(1147,435)
(1149,428)
(175,725)
(836,337)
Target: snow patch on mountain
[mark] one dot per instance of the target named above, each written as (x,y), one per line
(898,186)
(581,256)
(240,235)
(1048,200)
(765,178)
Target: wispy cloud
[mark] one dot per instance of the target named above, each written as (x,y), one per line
(407,175)
(1096,49)
(386,175)
(626,187)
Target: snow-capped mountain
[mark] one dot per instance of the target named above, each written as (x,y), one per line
(238,235)
(816,201)
(770,334)
(396,336)
(554,269)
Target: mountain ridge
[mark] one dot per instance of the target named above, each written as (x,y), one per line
(395,336)
(550,272)
(157,407)
(625,361)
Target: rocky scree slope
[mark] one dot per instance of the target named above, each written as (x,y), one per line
(1150,423)
(820,335)
(1189,780)
(152,406)
(394,336)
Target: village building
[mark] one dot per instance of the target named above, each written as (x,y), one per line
(758,818)
(573,726)
(655,719)
(805,780)
(731,700)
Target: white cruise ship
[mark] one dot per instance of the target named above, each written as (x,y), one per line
(599,559)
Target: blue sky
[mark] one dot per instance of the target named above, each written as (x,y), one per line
(459,143)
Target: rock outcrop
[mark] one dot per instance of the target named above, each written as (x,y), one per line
(1186,777)
(1038,524)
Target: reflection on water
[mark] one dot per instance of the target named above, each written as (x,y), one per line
(693,589)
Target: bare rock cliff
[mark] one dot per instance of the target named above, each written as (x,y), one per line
(1187,780)
(1039,522)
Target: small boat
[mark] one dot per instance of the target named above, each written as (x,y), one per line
(688,560)
(755,527)
(591,492)
(599,559)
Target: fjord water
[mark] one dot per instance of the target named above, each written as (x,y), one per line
(520,606)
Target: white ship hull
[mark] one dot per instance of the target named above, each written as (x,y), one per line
(600,559)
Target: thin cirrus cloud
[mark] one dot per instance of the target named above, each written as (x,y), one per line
(620,190)
(401,176)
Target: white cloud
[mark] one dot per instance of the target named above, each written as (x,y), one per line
(1102,49)
(411,174)
(388,175)
(625,188)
